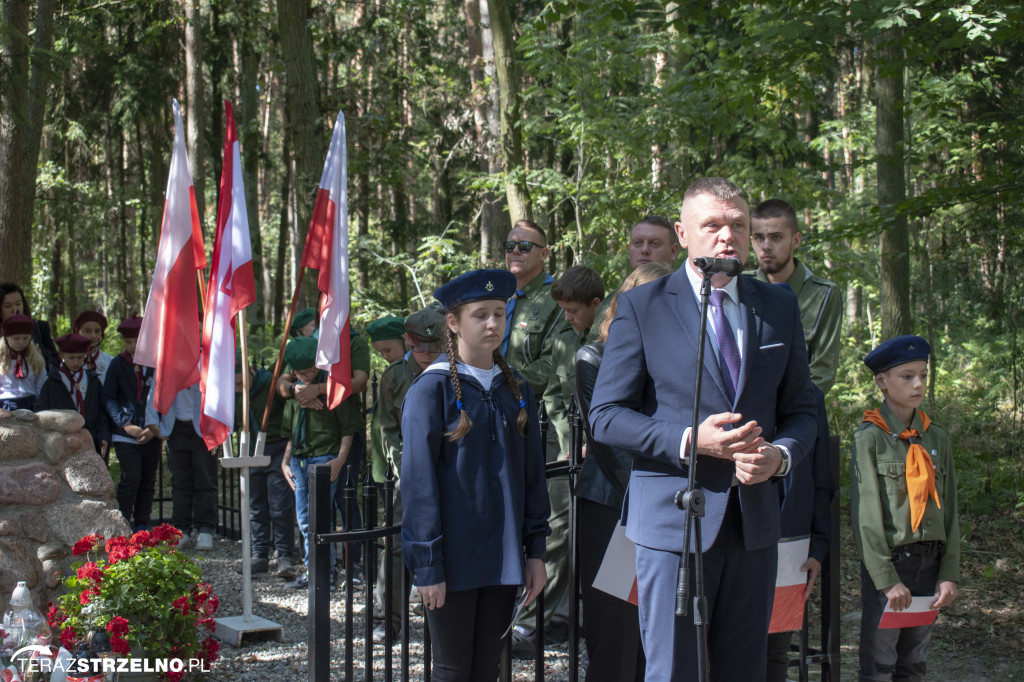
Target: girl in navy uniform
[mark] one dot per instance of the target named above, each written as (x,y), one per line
(74,387)
(476,502)
(22,368)
(92,324)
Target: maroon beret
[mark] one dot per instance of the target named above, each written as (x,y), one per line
(18,324)
(129,329)
(73,343)
(91,316)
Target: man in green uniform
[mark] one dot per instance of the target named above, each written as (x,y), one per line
(387,338)
(423,335)
(271,507)
(775,235)
(652,240)
(578,293)
(532,318)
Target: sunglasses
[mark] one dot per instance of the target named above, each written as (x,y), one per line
(524,246)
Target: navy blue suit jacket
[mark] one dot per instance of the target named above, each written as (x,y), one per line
(643,401)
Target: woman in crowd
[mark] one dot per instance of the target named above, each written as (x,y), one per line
(476,502)
(611,626)
(13,302)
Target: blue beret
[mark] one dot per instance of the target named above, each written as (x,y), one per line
(476,285)
(896,351)
(300,353)
(389,327)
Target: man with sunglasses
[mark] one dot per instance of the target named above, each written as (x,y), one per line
(423,336)
(532,318)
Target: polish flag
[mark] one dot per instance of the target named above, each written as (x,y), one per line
(919,613)
(326,250)
(170,335)
(790,585)
(232,288)
(617,573)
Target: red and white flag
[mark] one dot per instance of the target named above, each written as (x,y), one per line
(232,288)
(617,573)
(790,585)
(170,335)
(920,612)
(326,250)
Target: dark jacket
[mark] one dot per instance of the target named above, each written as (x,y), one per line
(476,508)
(605,473)
(120,395)
(54,395)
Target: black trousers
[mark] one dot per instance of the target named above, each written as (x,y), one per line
(465,633)
(193,480)
(611,626)
(139,464)
(271,506)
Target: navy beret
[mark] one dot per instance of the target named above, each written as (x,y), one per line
(476,285)
(427,324)
(300,353)
(897,351)
(389,327)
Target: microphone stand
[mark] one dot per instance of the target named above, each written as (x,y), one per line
(692,502)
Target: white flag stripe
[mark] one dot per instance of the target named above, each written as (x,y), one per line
(334,310)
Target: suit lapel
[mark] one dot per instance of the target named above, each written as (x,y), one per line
(750,301)
(687,310)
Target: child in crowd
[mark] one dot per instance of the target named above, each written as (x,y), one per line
(93,325)
(903,511)
(271,505)
(74,387)
(476,504)
(386,336)
(125,393)
(22,368)
(317,437)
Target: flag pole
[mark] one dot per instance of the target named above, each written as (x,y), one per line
(280,362)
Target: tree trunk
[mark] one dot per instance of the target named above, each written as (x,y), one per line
(302,109)
(510,98)
(22,106)
(894,244)
(249,141)
(196,106)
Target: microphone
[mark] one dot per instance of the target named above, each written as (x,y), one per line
(728,266)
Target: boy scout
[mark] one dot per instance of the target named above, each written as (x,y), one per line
(387,338)
(903,511)
(423,335)
(775,235)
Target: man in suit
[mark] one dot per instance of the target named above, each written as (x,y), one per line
(757,418)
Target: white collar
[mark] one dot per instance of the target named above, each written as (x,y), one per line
(731,289)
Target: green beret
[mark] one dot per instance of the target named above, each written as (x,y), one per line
(385,328)
(426,324)
(301,319)
(300,353)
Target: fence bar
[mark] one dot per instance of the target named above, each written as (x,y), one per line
(575,455)
(830,585)
(319,591)
(389,542)
(350,588)
(369,571)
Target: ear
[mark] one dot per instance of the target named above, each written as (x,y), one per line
(681,234)
(453,322)
(596,302)
(880,381)
(796,240)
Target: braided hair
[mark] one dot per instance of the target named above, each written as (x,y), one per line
(465,423)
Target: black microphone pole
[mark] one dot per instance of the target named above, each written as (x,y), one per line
(692,499)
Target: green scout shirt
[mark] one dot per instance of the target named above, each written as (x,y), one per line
(880,506)
(562,386)
(359,351)
(394,384)
(324,429)
(602,310)
(378,465)
(821,312)
(259,391)
(536,321)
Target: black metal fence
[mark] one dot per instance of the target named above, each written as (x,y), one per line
(373,537)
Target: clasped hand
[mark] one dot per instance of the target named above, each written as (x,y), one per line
(756,459)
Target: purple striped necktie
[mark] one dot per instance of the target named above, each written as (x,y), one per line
(728,352)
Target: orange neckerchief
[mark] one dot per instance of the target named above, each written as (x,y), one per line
(920,471)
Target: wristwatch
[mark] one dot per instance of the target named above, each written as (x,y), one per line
(784,464)
(291,389)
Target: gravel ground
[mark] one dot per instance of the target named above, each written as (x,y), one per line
(260,661)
